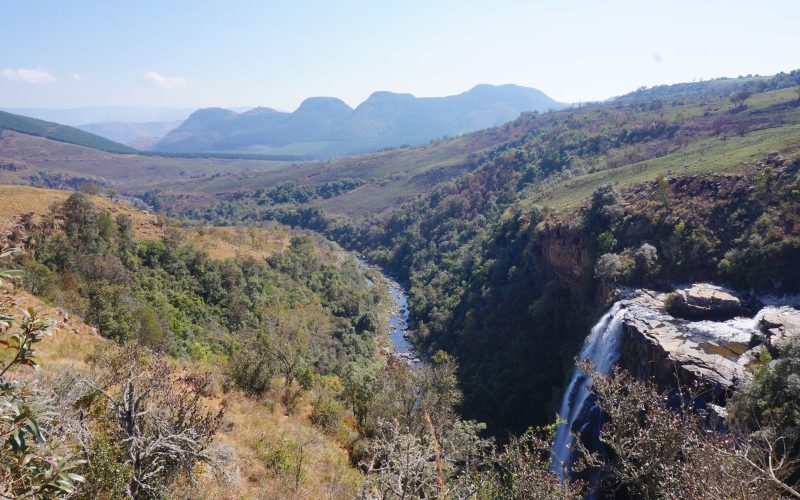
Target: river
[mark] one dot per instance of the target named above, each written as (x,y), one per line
(399,331)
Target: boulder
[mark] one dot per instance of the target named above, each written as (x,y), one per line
(703,301)
(779,326)
(775,159)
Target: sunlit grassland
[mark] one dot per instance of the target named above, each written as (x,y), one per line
(705,156)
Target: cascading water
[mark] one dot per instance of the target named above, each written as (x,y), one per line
(602,349)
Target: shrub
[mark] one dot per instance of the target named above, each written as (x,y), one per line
(673,304)
(109,473)
(250,368)
(327,413)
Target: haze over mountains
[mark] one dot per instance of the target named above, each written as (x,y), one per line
(326,126)
(135,126)
(137,135)
(75,117)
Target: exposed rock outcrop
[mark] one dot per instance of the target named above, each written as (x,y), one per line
(712,354)
(778,327)
(563,250)
(676,352)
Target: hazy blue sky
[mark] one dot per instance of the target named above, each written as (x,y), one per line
(59,53)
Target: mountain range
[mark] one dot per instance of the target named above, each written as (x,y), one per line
(323,127)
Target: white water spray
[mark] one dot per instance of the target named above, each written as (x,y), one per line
(602,349)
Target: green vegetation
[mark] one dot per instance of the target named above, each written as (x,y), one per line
(62,133)
(509,255)
(509,288)
(173,297)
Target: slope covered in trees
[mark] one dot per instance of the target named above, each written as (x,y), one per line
(507,265)
(62,133)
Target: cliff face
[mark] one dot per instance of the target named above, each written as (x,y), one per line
(563,250)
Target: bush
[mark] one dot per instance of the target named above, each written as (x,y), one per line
(33,460)
(327,413)
(38,278)
(251,369)
(609,268)
(673,304)
(108,472)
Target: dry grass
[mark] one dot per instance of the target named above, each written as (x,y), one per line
(255,428)
(71,339)
(20,200)
(228,242)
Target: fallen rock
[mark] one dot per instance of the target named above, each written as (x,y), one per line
(703,300)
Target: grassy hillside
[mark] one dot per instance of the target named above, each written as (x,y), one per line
(174,304)
(771,123)
(58,165)
(254,426)
(28,205)
(61,133)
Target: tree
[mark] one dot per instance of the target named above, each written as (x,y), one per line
(651,450)
(770,402)
(112,194)
(606,241)
(252,365)
(400,465)
(524,471)
(609,268)
(646,258)
(80,221)
(360,384)
(289,336)
(739,97)
(90,188)
(663,189)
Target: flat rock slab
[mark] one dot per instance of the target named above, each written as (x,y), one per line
(660,346)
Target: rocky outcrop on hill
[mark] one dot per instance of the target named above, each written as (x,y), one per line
(564,251)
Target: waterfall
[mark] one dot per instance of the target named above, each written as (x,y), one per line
(602,349)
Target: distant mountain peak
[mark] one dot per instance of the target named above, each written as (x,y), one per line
(323,104)
(383,95)
(259,110)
